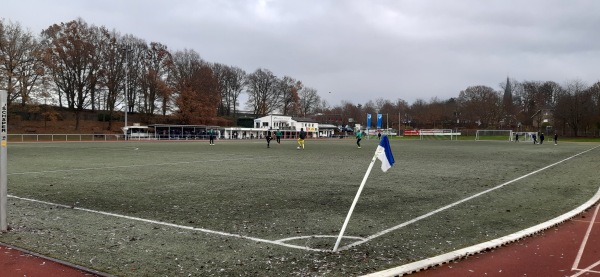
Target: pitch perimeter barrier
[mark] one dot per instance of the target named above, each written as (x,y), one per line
(65,137)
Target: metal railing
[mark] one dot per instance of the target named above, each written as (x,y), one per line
(64,137)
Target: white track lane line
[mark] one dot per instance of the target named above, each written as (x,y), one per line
(585,239)
(587,269)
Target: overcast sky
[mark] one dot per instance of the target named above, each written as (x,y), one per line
(359,50)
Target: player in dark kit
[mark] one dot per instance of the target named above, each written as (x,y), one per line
(268,137)
(301,137)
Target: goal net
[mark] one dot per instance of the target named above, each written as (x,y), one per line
(437,134)
(524,136)
(494,135)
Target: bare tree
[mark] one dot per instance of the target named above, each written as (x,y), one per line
(20,63)
(263,95)
(114,72)
(70,56)
(309,100)
(481,105)
(231,84)
(572,106)
(154,92)
(135,54)
(288,88)
(595,92)
(400,111)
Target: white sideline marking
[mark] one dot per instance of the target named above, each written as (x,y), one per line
(584,242)
(280,241)
(127,166)
(458,202)
(174,225)
(471,250)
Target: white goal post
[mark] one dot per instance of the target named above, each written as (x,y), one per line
(438,134)
(524,136)
(494,135)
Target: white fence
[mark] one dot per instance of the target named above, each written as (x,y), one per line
(67,137)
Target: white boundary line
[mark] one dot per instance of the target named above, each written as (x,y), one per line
(583,243)
(280,241)
(471,250)
(458,202)
(129,166)
(173,225)
(495,243)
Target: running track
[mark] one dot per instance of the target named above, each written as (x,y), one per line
(569,249)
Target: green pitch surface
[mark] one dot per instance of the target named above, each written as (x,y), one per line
(239,208)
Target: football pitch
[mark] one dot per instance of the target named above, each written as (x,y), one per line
(239,208)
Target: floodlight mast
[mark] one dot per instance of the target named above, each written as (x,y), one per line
(126,49)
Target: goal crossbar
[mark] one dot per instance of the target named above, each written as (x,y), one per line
(494,135)
(444,133)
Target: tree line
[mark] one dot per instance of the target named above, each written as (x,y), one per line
(78,66)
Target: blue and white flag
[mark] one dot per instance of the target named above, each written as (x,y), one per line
(379,120)
(368,120)
(384,154)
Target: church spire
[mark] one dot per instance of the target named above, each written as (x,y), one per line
(507,103)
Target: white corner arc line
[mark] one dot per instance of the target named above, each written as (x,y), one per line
(173,225)
(584,242)
(458,202)
(318,236)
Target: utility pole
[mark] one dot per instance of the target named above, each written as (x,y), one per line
(126,49)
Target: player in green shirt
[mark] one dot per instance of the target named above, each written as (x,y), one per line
(358,138)
(278,136)
(211,137)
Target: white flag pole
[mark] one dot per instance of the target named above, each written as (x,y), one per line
(362,185)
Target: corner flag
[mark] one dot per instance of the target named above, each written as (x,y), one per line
(384,154)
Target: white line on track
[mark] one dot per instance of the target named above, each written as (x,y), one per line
(587,269)
(584,242)
(376,235)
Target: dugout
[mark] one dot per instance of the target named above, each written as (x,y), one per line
(182,132)
(137,132)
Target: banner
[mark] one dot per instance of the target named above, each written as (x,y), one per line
(368,120)
(379,120)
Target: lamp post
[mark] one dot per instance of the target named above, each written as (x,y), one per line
(126,49)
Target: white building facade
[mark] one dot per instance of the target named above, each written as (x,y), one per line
(287,125)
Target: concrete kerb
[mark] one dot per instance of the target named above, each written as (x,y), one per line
(78,267)
(475,249)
